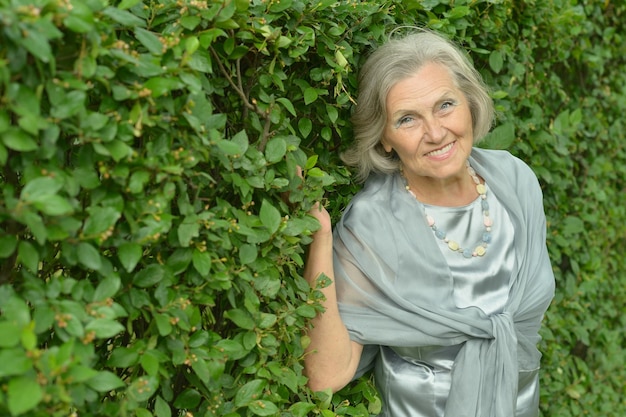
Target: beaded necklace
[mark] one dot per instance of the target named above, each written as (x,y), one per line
(453,245)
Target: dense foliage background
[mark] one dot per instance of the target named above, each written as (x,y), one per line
(150,264)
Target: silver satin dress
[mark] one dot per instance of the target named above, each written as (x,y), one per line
(415,381)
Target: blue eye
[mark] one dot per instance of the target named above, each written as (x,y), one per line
(404,121)
(447,105)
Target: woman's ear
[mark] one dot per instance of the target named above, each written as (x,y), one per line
(387,147)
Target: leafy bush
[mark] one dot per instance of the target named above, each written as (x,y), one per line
(151,259)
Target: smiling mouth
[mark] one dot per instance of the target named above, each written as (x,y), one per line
(441,151)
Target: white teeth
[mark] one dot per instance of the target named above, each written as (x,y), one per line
(441,151)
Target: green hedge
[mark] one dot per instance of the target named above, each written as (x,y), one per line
(150,262)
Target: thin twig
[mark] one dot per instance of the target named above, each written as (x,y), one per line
(238,87)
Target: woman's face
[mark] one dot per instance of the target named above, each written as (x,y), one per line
(429,125)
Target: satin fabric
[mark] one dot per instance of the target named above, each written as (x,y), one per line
(416,382)
(395,287)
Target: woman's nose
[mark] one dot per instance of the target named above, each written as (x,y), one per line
(435,131)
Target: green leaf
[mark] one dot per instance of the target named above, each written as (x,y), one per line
(162,408)
(143,388)
(150,41)
(496,61)
(267,320)
(5,122)
(107,288)
(201,261)
(311,162)
(81,373)
(200,61)
(276,149)
(562,122)
(340,59)
(201,369)
(37,44)
(151,275)
(129,255)
(249,392)
(124,17)
(281,6)
(127,4)
(458,12)
(332,112)
(18,140)
(247,253)
(89,256)
(74,327)
(310,95)
(232,349)
(209,36)
(28,255)
(40,188)
(502,137)
(10,334)
(179,260)
(270,216)
(147,66)
(14,362)
(35,225)
(8,243)
(301,409)
(118,149)
(16,311)
(188,230)
(188,399)
(288,105)
(23,394)
(192,43)
(4,154)
(104,328)
(164,326)
(305,126)
(572,226)
(306,311)
(122,357)
(28,337)
(263,408)
(105,381)
(241,318)
(161,85)
(69,104)
(79,23)
(150,363)
(229,147)
(54,205)
(100,220)
(315,172)
(190,22)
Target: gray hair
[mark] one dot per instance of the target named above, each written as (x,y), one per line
(392,62)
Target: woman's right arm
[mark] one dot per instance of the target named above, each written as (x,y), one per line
(331,359)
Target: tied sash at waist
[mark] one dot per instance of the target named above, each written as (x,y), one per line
(480,386)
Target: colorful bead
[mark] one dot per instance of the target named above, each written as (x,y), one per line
(480,250)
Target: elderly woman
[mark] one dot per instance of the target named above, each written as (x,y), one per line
(439,268)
